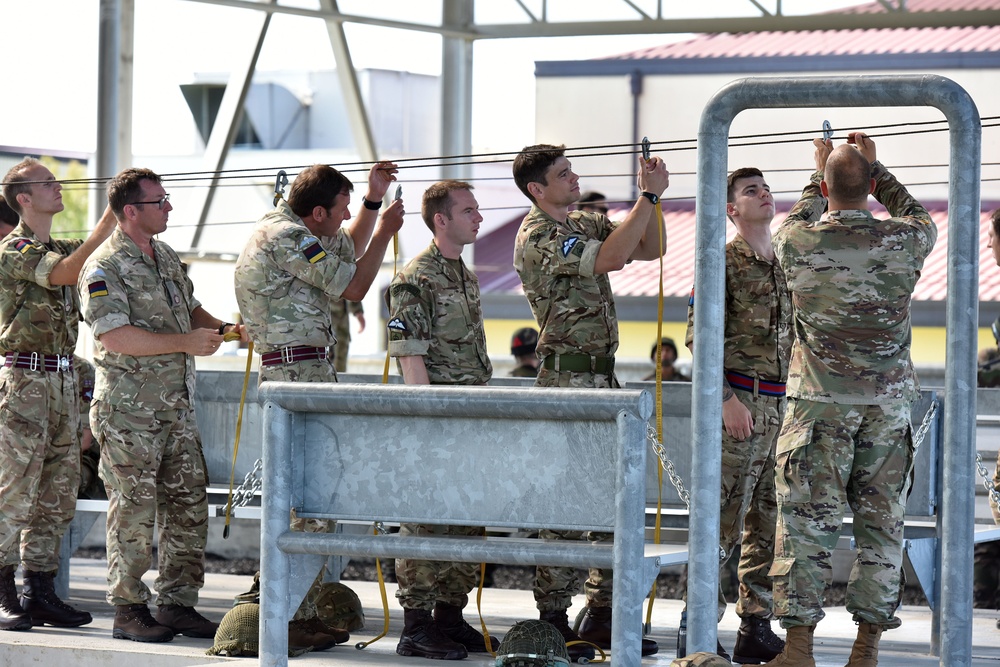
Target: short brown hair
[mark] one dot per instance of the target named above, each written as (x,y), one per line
(531,164)
(848,176)
(126,188)
(742,172)
(995,221)
(437,199)
(15,182)
(318,185)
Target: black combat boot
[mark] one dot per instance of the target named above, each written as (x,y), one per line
(12,615)
(133,621)
(185,621)
(424,639)
(39,600)
(756,642)
(682,640)
(577,651)
(596,628)
(449,618)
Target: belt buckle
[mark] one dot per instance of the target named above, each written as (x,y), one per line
(63,362)
(33,361)
(286,355)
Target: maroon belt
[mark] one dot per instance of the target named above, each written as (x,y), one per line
(292,354)
(756,385)
(34,361)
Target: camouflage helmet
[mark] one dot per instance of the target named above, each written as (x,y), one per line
(531,644)
(340,607)
(238,632)
(701,659)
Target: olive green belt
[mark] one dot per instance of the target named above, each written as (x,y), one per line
(579,363)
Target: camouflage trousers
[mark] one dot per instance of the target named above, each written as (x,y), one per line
(39,465)
(154,470)
(828,454)
(749,509)
(317,370)
(422,583)
(555,586)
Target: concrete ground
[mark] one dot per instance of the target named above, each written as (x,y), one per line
(93,646)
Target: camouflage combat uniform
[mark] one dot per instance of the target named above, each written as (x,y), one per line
(986,561)
(434,313)
(143,418)
(847,433)
(341,313)
(288,285)
(39,409)
(575,311)
(91,485)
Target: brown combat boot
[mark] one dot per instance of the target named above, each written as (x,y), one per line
(133,621)
(449,618)
(865,650)
(315,634)
(578,651)
(39,600)
(12,615)
(423,638)
(185,621)
(798,648)
(596,629)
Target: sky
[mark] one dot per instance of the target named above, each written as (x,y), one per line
(55,103)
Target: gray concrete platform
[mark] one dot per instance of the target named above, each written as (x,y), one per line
(93,646)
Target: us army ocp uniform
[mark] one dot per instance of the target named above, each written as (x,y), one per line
(578,337)
(143,418)
(39,409)
(434,313)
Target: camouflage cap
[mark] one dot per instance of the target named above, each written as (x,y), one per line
(523,342)
(340,607)
(701,659)
(532,644)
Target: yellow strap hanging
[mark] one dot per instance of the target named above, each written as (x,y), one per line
(385,605)
(239,429)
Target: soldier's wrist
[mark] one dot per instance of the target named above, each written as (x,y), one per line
(371,205)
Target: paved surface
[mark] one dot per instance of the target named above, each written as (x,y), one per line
(92,645)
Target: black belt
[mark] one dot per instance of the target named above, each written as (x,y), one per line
(292,354)
(579,363)
(34,361)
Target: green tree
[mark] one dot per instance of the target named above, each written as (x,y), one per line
(72,222)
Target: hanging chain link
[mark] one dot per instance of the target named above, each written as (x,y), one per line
(668,466)
(246,491)
(925,425)
(987,481)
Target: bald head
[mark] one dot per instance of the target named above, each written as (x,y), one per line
(848,176)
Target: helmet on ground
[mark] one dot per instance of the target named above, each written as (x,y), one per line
(530,644)
(701,659)
(340,607)
(238,632)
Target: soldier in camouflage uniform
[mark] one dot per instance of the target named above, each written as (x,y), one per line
(758,342)
(846,437)
(436,335)
(341,312)
(297,265)
(39,397)
(563,259)
(148,327)
(522,347)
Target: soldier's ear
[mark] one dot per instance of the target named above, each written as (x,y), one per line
(871,186)
(824,189)
(536,189)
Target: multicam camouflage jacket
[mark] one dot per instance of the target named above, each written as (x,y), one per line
(574,307)
(36,316)
(434,312)
(288,282)
(852,277)
(120,285)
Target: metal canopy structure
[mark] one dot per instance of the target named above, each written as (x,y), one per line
(459,30)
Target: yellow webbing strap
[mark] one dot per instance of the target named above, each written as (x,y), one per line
(479,608)
(239,429)
(659,414)
(385,605)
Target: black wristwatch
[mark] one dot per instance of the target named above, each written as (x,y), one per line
(222,327)
(371,205)
(654,199)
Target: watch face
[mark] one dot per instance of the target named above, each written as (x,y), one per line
(651,197)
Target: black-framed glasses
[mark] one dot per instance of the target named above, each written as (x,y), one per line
(160,203)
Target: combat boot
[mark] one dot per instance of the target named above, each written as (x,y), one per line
(185,621)
(756,642)
(314,634)
(577,651)
(12,615)
(865,650)
(423,638)
(39,600)
(449,618)
(682,640)
(798,650)
(596,629)
(133,621)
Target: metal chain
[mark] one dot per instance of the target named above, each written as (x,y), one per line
(246,491)
(668,466)
(987,482)
(925,426)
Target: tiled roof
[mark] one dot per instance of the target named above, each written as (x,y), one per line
(493,255)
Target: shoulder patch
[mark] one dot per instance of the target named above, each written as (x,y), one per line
(568,244)
(97,288)
(311,248)
(23,245)
(402,289)
(691,299)
(397,324)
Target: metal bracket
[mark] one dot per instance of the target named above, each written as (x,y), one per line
(645,149)
(827,131)
(280,181)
